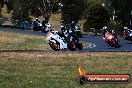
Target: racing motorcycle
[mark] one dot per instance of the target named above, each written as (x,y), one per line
(37,26)
(57,42)
(127,34)
(70,37)
(46,27)
(111,40)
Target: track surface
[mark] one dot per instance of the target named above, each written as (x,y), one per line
(97,43)
(102,46)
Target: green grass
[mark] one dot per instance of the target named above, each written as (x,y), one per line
(17,41)
(59,70)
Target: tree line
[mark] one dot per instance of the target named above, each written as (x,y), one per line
(95,13)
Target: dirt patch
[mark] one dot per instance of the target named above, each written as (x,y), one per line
(57,54)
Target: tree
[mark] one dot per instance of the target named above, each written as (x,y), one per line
(43,7)
(72,10)
(97,17)
(123,10)
(34,7)
(20,11)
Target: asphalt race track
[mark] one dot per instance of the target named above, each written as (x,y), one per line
(99,45)
(96,43)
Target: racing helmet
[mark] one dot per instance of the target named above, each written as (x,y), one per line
(105,27)
(125,28)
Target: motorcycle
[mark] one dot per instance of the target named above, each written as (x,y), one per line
(70,37)
(37,26)
(127,35)
(73,39)
(46,27)
(57,42)
(111,40)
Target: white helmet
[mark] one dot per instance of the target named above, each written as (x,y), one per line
(125,28)
(105,27)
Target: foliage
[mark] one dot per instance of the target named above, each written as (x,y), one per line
(96,18)
(32,7)
(1,18)
(72,10)
(0,15)
(123,10)
(117,26)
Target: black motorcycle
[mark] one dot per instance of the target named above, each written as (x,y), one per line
(71,39)
(37,26)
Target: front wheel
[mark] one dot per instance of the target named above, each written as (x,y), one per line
(72,46)
(54,46)
(80,46)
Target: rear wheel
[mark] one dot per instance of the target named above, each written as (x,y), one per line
(116,44)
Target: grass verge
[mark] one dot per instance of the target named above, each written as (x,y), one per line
(59,69)
(17,41)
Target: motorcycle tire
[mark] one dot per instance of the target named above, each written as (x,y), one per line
(35,28)
(72,46)
(54,46)
(80,46)
(117,44)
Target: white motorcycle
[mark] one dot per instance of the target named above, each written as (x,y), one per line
(57,42)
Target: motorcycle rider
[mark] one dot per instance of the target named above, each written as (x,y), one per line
(37,25)
(126,31)
(44,22)
(113,33)
(46,26)
(104,31)
(73,24)
(63,26)
(107,30)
